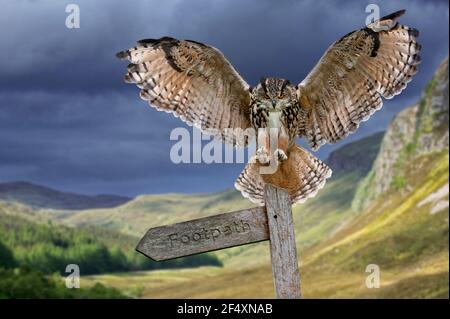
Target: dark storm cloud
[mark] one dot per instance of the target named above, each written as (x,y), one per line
(67,120)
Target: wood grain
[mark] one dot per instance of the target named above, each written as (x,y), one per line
(283,250)
(205,234)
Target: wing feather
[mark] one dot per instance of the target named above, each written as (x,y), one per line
(347,85)
(192,81)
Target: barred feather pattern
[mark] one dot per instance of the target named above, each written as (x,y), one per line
(194,82)
(347,85)
(302,175)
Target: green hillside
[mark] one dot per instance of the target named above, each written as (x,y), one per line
(400,232)
(48,248)
(145,211)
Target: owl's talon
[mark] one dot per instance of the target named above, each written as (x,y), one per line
(262,156)
(280,155)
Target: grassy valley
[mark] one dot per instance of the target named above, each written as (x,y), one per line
(34,253)
(145,211)
(406,240)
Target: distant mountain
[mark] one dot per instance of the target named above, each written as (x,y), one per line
(38,196)
(355,156)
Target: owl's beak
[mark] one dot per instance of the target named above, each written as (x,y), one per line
(274,103)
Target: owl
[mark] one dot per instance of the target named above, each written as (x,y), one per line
(196,83)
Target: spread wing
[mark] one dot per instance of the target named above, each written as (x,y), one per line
(193,81)
(347,84)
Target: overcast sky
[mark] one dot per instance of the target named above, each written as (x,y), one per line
(68,121)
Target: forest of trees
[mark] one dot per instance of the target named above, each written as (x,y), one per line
(25,282)
(49,248)
(34,256)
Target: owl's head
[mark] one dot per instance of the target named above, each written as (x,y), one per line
(274,93)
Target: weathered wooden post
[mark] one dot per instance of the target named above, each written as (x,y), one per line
(274,222)
(283,251)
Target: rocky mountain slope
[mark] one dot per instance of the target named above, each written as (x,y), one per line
(358,156)
(416,131)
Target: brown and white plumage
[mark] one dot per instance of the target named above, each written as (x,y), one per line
(346,86)
(196,83)
(191,80)
(302,175)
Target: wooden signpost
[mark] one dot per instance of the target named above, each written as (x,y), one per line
(273,222)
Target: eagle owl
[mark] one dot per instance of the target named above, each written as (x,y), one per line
(196,83)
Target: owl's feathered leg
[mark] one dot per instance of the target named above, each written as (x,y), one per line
(263,146)
(301,174)
(282,145)
(272,144)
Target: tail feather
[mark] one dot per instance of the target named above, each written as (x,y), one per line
(302,175)
(250,184)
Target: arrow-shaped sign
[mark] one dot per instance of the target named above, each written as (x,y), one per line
(205,234)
